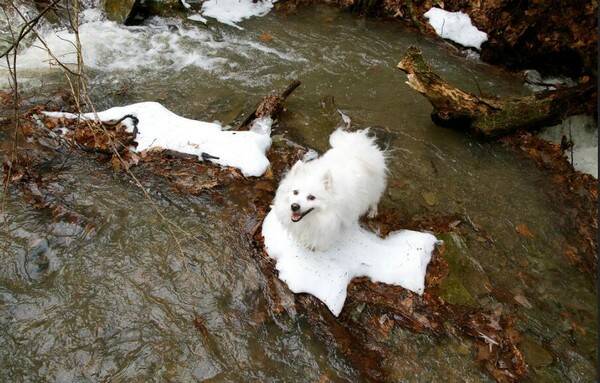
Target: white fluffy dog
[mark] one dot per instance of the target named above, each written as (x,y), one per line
(319,199)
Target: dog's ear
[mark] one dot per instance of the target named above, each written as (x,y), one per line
(327,180)
(296,167)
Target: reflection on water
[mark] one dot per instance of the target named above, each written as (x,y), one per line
(131,303)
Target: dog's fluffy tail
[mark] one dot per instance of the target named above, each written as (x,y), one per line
(359,144)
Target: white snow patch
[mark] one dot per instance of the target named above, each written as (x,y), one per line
(455,26)
(197,17)
(582,130)
(231,12)
(471,54)
(537,83)
(400,259)
(158,127)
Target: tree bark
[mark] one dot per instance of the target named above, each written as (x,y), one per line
(490,116)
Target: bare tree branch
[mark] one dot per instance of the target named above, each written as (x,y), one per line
(27,27)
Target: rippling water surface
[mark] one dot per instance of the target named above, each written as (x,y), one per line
(119,304)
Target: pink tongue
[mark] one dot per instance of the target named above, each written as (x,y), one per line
(296,216)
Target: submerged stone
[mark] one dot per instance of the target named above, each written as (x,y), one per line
(466,280)
(535,355)
(454,292)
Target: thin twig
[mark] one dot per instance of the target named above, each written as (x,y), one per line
(27,27)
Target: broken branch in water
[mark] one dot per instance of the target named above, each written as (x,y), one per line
(270,105)
(490,116)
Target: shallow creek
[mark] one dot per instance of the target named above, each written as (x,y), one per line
(119,305)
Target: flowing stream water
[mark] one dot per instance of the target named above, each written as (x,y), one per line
(119,305)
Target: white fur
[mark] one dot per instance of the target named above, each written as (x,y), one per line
(347,182)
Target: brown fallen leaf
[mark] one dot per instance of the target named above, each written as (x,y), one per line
(116,163)
(524,231)
(5,98)
(27,129)
(201,326)
(265,37)
(571,254)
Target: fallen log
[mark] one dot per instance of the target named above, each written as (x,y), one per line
(490,116)
(270,105)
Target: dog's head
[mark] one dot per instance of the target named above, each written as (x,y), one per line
(304,191)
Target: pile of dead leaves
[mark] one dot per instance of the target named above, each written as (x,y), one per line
(92,136)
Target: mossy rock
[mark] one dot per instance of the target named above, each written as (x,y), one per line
(130,12)
(535,355)
(464,281)
(120,10)
(163,7)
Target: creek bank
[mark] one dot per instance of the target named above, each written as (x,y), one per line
(553,37)
(574,192)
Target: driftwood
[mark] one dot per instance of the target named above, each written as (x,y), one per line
(490,116)
(270,105)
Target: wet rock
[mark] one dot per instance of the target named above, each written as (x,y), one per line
(132,12)
(535,355)
(454,292)
(38,258)
(533,76)
(464,281)
(120,11)
(37,253)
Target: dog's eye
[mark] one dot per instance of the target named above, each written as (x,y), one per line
(311,197)
(295,192)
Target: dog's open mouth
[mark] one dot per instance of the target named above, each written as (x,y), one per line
(296,217)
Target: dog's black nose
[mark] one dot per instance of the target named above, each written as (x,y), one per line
(295,207)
